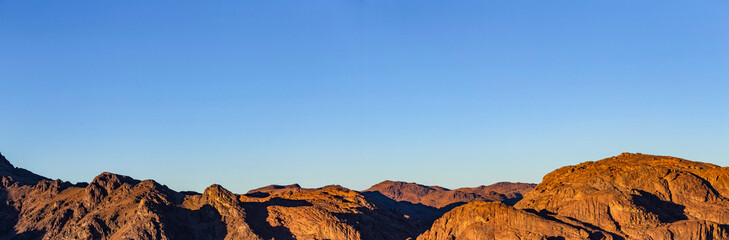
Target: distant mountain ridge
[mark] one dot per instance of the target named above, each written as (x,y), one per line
(439,197)
(114,206)
(630,196)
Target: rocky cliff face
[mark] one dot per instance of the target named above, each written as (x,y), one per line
(331,212)
(631,196)
(495,220)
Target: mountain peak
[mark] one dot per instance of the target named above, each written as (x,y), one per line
(111,181)
(22,176)
(218,193)
(4,163)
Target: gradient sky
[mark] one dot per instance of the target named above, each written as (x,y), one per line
(451,93)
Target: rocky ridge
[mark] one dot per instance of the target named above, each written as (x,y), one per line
(114,206)
(440,197)
(630,196)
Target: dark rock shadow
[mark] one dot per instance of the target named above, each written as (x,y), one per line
(257,213)
(8,219)
(666,211)
(8,216)
(410,219)
(380,224)
(449,207)
(29,235)
(205,223)
(258,194)
(600,234)
(512,201)
(413,210)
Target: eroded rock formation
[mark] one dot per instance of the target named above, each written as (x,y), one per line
(118,207)
(631,196)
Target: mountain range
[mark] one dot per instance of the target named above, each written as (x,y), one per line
(629,196)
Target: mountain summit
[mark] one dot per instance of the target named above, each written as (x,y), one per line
(630,196)
(10,173)
(4,163)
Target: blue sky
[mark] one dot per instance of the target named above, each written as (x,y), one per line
(251,93)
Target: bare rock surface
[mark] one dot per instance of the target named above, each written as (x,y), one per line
(495,220)
(630,196)
(114,206)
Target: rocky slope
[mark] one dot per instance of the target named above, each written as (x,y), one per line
(118,207)
(495,220)
(114,207)
(631,196)
(330,212)
(439,197)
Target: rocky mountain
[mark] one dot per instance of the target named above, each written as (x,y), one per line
(439,197)
(118,207)
(631,196)
(19,175)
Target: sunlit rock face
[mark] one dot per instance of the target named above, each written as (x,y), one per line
(631,196)
(114,206)
(495,220)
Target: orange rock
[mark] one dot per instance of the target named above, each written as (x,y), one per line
(631,196)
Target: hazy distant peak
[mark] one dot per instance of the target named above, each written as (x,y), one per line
(438,197)
(402,184)
(275,187)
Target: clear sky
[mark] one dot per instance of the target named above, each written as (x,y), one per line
(451,93)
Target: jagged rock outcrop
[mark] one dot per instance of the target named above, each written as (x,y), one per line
(111,207)
(496,220)
(631,196)
(227,207)
(330,212)
(439,197)
(10,174)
